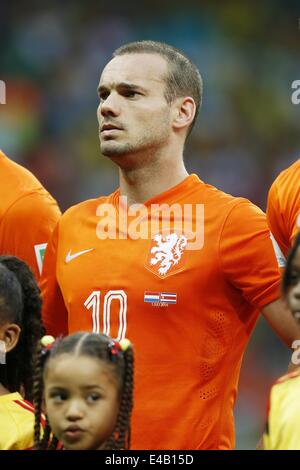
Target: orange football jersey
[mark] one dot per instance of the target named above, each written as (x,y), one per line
(283,211)
(28,214)
(189,313)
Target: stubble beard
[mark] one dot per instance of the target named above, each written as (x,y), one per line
(112,149)
(142,150)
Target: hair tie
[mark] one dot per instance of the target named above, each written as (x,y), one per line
(124,344)
(114,349)
(47,343)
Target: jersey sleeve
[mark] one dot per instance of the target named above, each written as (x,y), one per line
(295,229)
(55,315)
(247,255)
(27,226)
(275,219)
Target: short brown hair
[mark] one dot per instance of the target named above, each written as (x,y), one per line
(183,79)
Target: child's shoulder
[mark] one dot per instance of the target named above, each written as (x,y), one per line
(17,421)
(285,378)
(290,375)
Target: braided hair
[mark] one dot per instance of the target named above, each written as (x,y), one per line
(286,281)
(20,303)
(121,363)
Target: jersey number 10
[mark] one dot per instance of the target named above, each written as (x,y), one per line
(93,302)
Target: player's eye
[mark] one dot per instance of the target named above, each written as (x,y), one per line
(103,95)
(130,93)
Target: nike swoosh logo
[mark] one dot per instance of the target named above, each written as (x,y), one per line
(71,256)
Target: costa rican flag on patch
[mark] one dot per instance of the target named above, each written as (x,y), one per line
(168,297)
(151,297)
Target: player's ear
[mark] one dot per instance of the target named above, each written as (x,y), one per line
(184,112)
(9,335)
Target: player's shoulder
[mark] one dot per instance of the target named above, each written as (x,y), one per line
(16,182)
(285,191)
(294,167)
(288,174)
(221,199)
(85,208)
(19,176)
(239,208)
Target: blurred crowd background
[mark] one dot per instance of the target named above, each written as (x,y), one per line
(51,57)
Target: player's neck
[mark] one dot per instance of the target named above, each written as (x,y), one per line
(141,184)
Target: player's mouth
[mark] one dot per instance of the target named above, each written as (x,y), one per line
(109,129)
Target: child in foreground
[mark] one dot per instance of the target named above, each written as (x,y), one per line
(86,380)
(283,431)
(20,331)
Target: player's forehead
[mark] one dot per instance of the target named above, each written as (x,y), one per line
(142,69)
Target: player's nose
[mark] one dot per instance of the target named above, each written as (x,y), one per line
(110,106)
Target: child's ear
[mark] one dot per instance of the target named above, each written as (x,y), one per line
(10,334)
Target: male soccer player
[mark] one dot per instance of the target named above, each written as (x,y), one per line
(187,297)
(283,211)
(28,214)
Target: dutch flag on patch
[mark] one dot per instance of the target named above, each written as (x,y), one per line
(151,297)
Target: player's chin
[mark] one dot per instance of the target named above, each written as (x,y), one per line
(112,149)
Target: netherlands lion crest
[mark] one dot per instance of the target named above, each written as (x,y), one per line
(167,252)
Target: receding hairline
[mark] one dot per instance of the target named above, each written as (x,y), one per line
(141,53)
(151,47)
